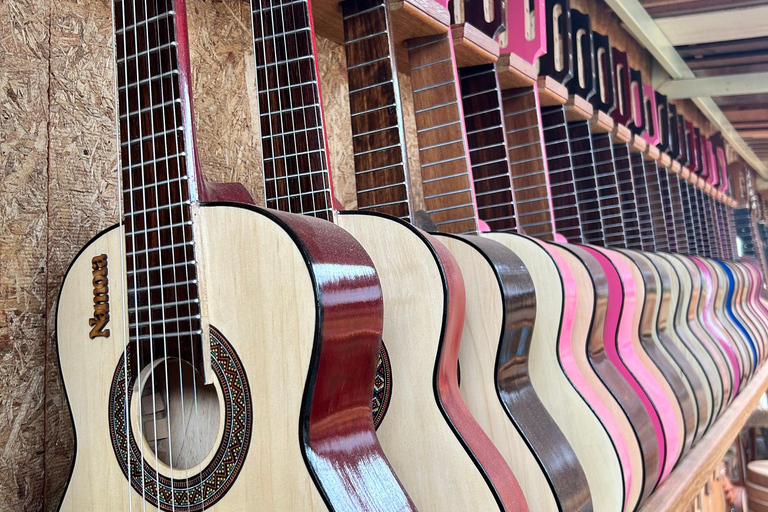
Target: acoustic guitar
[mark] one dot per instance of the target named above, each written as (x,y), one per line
(419,412)
(183,394)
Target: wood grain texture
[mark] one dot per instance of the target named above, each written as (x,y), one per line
(496,385)
(676,493)
(24,109)
(417,426)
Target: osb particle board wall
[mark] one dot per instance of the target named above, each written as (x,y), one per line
(58,188)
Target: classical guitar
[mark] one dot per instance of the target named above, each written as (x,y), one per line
(437,448)
(185,395)
(572,174)
(533,209)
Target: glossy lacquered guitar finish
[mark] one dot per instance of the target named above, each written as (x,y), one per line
(291,372)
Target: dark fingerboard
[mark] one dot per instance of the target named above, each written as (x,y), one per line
(159,181)
(565,204)
(644,217)
(666,202)
(656,206)
(580,145)
(673,182)
(727,230)
(611,215)
(484,122)
(685,203)
(629,202)
(527,164)
(445,166)
(294,156)
(743,228)
(698,221)
(719,221)
(374,97)
(707,227)
(695,220)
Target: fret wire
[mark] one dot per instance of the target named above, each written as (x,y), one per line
(434,107)
(375,109)
(148,109)
(363,38)
(524,128)
(365,11)
(293,155)
(291,86)
(455,221)
(377,169)
(162,267)
(430,164)
(368,63)
(151,137)
(447,143)
(382,205)
(445,194)
(149,337)
(433,86)
(454,207)
(158,208)
(428,64)
(188,243)
(481,112)
(151,79)
(136,24)
(369,87)
(519,112)
(439,178)
(497,191)
(288,33)
(161,322)
(437,127)
(485,164)
(527,174)
(146,53)
(505,204)
(155,184)
(530,187)
(484,129)
(166,305)
(381,187)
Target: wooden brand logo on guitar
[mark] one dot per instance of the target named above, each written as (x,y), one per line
(100,298)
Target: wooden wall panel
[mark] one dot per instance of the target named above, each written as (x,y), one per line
(82,184)
(24,82)
(59,191)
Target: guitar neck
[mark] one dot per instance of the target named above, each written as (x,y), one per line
(377,125)
(580,145)
(644,214)
(563,191)
(295,161)
(527,163)
(656,206)
(666,202)
(489,156)
(611,212)
(160,181)
(449,194)
(685,203)
(629,202)
(678,215)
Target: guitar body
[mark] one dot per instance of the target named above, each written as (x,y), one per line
(602,333)
(555,287)
(735,313)
(680,302)
(295,429)
(631,354)
(589,321)
(751,310)
(438,450)
(678,350)
(654,297)
(706,306)
(499,322)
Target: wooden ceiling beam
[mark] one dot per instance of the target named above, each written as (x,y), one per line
(647,32)
(710,27)
(725,85)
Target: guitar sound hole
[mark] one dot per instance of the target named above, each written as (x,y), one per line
(180,424)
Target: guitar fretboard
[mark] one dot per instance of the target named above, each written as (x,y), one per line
(295,161)
(656,207)
(629,203)
(696,217)
(445,167)
(483,119)
(580,143)
(611,214)
(666,202)
(685,202)
(743,230)
(526,162)
(561,178)
(158,183)
(673,182)
(710,249)
(644,217)
(377,127)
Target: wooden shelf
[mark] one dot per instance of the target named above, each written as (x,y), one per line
(578,109)
(621,134)
(638,144)
(514,72)
(472,47)
(410,19)
(652,152)
(602,122)
(677,492)
(665,160)
(685,172)
(551,93)
(675,167)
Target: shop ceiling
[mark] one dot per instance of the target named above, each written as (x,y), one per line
(714,52)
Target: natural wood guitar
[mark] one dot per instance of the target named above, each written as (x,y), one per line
(194,385)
